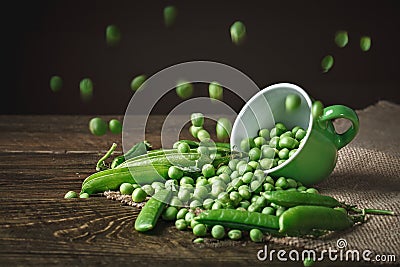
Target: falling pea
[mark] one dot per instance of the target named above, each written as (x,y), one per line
(113,35)
(170,14)
(238,32)
(317,109)
(327,63)
(184,89)
(137,82)
(341,38)
(365,43)
(292,102)
(56,83)
(215,91)
(86,88)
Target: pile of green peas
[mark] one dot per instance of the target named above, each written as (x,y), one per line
(272,147)
(237,185)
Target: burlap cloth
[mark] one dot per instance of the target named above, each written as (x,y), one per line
(367,175)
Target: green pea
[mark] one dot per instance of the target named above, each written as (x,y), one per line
(97,126)
(184,194)
(235,234)
(264,133)
(200,230)
(291,183)
(279,211)
(232,164)
(301,188)
(223,197)
(300,134)
(126,188)
(235,197)
(247,144)
(203,135)
(197,119)
(253,208)
(198,240)
(282,183)
(288,142)
(223,128)
(238,32)
(244,169)
(268,211)
(193,223)
(291,153)
(256,235)
(365,43)
(234,175)
(189,217)
(183,148)
(194,130)
(341,38)
(254,198)
(175,202)
(244,204)
(184,89)
(195,204)
(266,163)
(158,185)
(225,177)
(275,163)
(170,213)
(281,161)
(281,127)
(261,202)
(148,189)
(247,177)
(241,162)
(84,195)
(175,173)
(217,205)
(71,194)
(115,126)
(327,63)
(292,102)
(181,224)
(259,141)
(255,154)
(215,91)
(268,187)
(139,195)
(267,152)
(170,14)
(256,187)
(269,179)
(200,192)
(283,153)
(317,109)
(241,209)
(113,35)
(288,133)
(137,82)
(207,203)
(312,190)
(86,88)
(274,142)
(216,190)
(201,181)
(56,83)
(218,231)
(308,262)
(208,170)
(186,180)
(295,129)
(259,174)
(245,193)
(181,213)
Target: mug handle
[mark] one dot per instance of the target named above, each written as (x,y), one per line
(340,111)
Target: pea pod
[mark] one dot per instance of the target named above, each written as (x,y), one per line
(301,220)
(137,150)
(111,179)
(238,219)
(293,198)
(148,216)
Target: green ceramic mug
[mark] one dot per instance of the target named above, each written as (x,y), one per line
(316,157)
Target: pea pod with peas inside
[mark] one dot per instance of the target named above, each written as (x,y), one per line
(237,219)
(152,210)
(113,178)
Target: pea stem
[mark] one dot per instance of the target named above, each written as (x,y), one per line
(100,164)
(373,211)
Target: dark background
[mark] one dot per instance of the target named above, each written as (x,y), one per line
(286,42)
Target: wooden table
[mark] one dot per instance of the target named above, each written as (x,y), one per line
(43,157)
